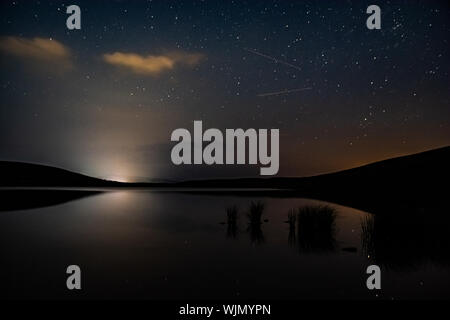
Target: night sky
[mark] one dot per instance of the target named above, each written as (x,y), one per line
(104,100)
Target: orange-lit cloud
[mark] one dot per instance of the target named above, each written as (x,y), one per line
(150,64)
(37,49)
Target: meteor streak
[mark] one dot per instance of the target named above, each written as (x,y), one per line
(273,59)
(282,92)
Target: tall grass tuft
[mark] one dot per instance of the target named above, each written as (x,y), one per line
(368,235)
(403,239)
(292,217)
(255,213)
(232,215)
(316,228)
(255,221)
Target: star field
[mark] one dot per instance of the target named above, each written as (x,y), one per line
(342,95)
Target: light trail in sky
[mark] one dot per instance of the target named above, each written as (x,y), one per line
(282,92)
(273,59)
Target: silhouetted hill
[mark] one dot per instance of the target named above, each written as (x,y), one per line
(30,199)
(419,166)
(20,174)
(418,180)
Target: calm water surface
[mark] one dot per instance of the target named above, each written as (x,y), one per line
(163,245)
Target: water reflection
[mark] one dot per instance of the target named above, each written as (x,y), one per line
(403,240)
(316,229)
(232,218)
(31,199)
(166,245)
(254,216)
(292,217)
(254,222)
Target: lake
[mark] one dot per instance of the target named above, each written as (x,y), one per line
(150,244)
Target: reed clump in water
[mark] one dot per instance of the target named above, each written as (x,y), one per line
(254,216)
(404,239)
(232,215)
(316,228)
(232,218)
(292,218)
(255,213)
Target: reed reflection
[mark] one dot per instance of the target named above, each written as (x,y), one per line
(232,218)
(403,240)
(316,229)
(292,218)
(254,216)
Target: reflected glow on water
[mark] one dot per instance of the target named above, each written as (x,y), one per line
(145,244)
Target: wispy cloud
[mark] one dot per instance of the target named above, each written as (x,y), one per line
(152,64)
(37,50)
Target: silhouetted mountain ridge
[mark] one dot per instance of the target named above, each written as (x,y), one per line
(418,180)
(22,174)
(415,180)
